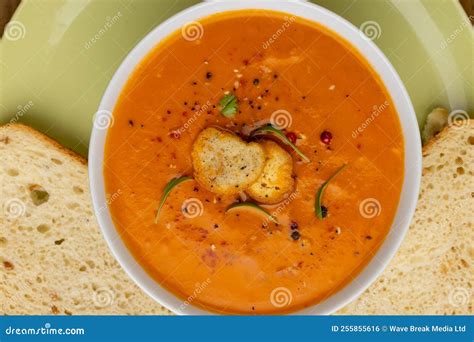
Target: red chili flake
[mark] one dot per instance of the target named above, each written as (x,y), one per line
(326,137)
(292,136)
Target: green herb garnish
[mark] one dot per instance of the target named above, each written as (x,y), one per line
(228,105)
(170,186)
(270,129)
(253,206)
(317,204)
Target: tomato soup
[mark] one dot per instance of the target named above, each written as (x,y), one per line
(237,72)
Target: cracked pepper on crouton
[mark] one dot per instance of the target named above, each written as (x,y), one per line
(276,181)
(224,164)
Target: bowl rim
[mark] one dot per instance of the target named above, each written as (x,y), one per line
(366,48)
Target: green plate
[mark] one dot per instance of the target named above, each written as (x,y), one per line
(58,55)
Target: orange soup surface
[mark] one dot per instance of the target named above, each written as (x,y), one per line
(323,95)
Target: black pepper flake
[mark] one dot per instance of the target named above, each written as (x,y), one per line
(130,123)
(185,103)
(168,112)
(275,76)
(209,75)
(194,83)
(368,237)
(256,81)
(295,235)
(294,225)
(324,211)
(216,226)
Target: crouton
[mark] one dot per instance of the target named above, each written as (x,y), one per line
(276,181)
(224,164)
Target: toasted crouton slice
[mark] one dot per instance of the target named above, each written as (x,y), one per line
(276,181)
(224,164)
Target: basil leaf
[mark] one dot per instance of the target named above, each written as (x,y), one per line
(228,105)
(255,206)
(170,186)
(270,129)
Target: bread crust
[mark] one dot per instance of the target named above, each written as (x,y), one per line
(46,139)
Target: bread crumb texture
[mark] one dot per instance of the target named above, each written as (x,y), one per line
(53,258)
(432,273)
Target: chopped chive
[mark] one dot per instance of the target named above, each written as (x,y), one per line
(253,206)
(170,186)
(318,208)
(270,129)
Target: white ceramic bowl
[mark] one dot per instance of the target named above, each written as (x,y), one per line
(309,11)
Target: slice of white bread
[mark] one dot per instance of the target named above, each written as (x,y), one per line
(276,181)
(225,164)
(53,258)
(433,273)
